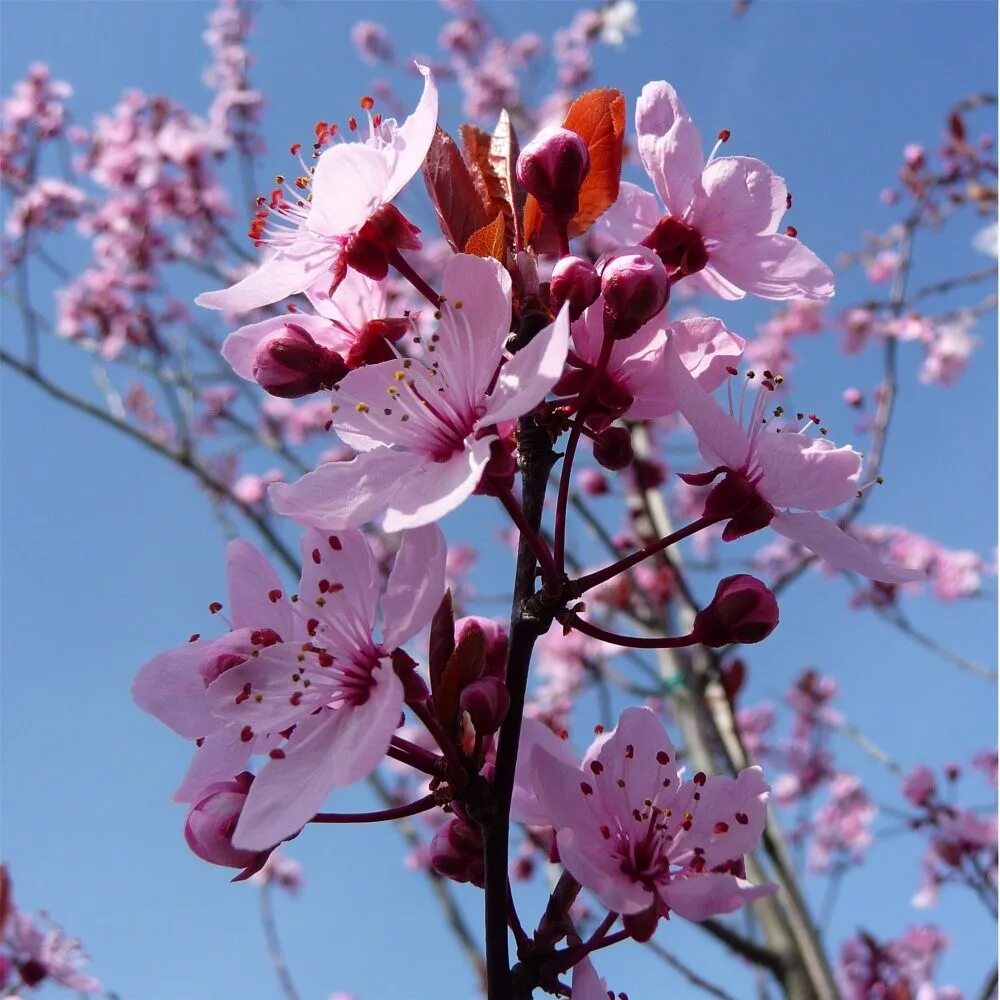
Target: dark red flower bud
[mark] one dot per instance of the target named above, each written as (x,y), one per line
(552,167)
(486,700)
(289,363)
(742,610)
(635,289)
(456,852)
(576,281)
(495,636)
(415,690)
(613,449)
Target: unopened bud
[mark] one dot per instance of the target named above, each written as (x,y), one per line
(635,289)
(289,363)
(742,610)
(552,167)
(456,852)
(495,636)
(212,819)
(576,281)
(613,449)
(486,700)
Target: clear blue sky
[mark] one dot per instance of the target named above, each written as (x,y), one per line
(109,555)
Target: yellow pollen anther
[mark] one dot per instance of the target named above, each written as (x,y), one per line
(399,376)
(362,407)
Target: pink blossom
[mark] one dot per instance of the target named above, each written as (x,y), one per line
(43,952)
(949,351)
(842,827)
(638,836)
(634,382)
(767,470)
(372,42)
(173,685)
(424,432)
(251,488)
(722,216)
(919,785)
(341,695)
(313,242)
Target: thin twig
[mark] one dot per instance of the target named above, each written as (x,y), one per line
(687,972)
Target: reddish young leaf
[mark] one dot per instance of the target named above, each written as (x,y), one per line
(452,191)
(490,241)
(476,148)
(598,117)
(504,151)
(464,666)
(441,643)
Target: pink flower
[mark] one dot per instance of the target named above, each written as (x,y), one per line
(352,327)
(634,382)
(722,216)
(47,953)
(173,685)
(587,984)
(638,836)
(341,695)
(767,471)
(347,221)
(424,431)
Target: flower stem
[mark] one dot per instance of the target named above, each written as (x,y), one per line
(400,263)
(397,812)
(584,583)
(632,642)
(562,500)
(538,546)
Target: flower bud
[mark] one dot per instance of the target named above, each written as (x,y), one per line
(635,289)
(613,449)
(552,167)
(289,363)
(576,281)
(212,819)
(456,852)
(486,700)
(742,610)
(495,636)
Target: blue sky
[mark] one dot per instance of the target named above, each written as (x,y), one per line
(109,555)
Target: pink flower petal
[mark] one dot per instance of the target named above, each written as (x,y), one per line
(632,217)
(433,489)
(339,587)
(526,379)
(412,139)
(811,473)
(773,267)
(525,807)
(698,897)
(357,300)
(669,146)
(285,272)
(329,750)
(586,984)
(743,197)
(707,348)
(220,757)
(826,540)
(349,184)
(415,586)
(346,494)
(720,438)
(470,339)
(256,594)
(170,686)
